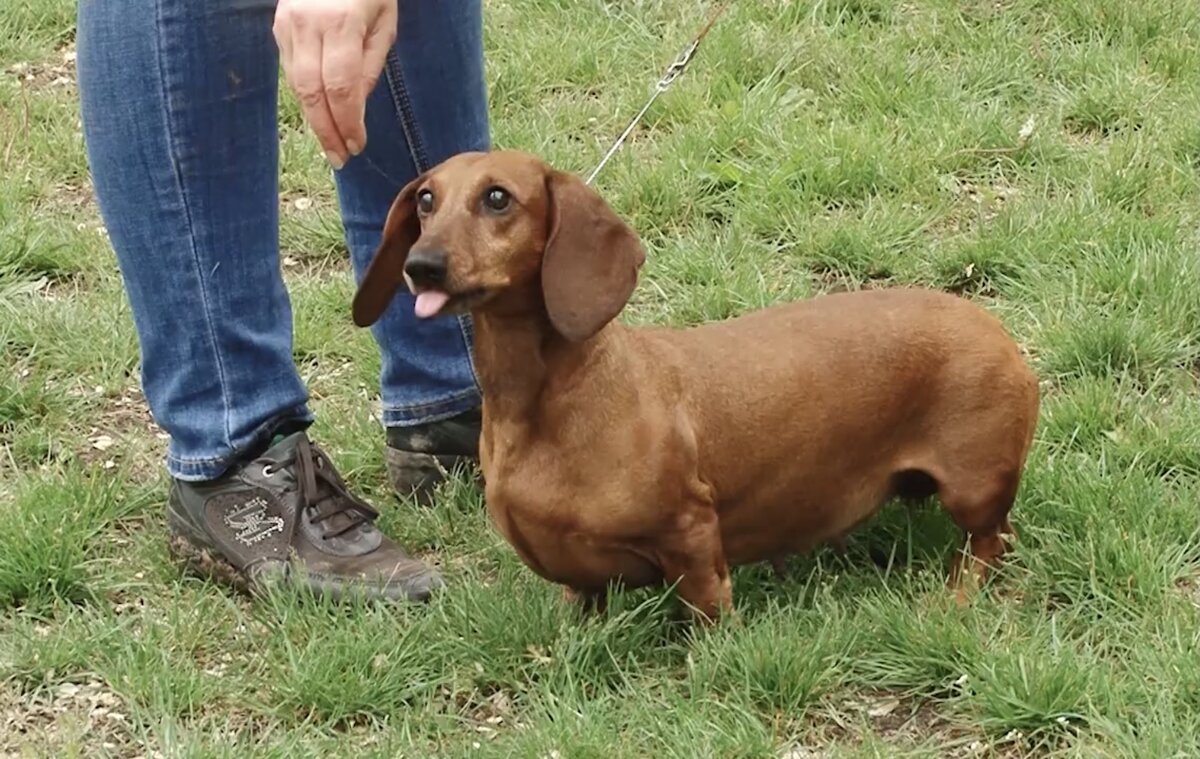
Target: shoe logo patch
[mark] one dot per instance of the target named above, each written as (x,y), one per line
(251,523)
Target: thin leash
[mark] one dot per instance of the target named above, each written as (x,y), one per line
(668,78)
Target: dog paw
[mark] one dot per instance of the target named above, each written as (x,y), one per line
(586,602)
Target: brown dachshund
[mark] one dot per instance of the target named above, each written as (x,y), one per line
(642,456)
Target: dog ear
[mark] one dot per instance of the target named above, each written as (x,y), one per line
(386,270)
(591,262)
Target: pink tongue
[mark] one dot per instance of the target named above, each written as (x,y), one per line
(429,303)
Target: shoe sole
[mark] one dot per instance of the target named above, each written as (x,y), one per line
(207,564)
(187,548)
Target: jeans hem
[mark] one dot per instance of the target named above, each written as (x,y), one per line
(427,413)
(207,468)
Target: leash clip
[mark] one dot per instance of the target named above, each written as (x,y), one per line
(668,78)
(675,69)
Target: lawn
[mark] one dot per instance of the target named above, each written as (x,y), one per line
(1040,156)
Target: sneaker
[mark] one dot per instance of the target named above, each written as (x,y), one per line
(285,519)
(420,457)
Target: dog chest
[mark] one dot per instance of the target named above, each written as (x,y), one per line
(560,550)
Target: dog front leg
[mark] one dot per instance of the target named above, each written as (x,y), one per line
(587,601)
(695,562)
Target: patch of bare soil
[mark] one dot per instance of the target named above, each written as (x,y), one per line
(828,280)
(493,715)
(86,718)
(125,434)
(298,263)
(976,204)
(299,267)
(54,73)
(900,721)
(1190,588)
(79,198)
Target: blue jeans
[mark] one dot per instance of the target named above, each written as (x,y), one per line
(179,108)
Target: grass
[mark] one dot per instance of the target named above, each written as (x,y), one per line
(1041,156)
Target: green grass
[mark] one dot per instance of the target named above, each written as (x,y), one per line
(1041,156)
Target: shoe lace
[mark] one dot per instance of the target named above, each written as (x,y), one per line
(318,487)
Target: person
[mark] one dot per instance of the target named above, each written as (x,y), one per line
(178,101)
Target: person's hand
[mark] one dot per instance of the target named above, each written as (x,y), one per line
(332,52)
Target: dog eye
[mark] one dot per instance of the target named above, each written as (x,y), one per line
(424,201)
(496,199)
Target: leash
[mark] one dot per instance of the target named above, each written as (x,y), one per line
(668,78)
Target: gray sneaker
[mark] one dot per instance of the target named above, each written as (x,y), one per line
(285,519)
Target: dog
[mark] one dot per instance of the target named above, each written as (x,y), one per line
(640,456)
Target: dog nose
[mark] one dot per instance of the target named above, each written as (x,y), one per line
(426,268)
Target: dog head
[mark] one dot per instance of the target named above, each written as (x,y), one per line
(503,231)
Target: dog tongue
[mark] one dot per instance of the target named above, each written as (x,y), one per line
(430,302)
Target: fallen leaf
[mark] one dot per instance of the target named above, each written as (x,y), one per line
(1027,129)
(799,752)
(68,690)
(883,708)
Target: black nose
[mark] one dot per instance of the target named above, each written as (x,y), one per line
(426,268)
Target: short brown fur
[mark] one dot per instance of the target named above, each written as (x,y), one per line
(668,455)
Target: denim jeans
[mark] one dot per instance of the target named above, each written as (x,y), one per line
(179,107)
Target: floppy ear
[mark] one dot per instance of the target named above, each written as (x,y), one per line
(591,261)
(386,270)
